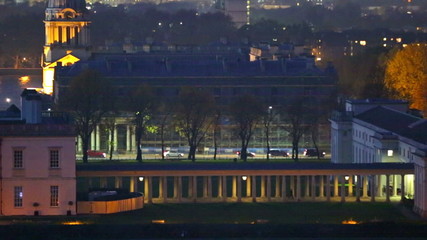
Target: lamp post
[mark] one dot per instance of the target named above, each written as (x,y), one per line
(267,122)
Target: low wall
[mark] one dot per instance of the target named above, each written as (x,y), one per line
(106,207)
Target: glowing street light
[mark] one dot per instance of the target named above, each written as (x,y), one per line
(244,178)
(8,100)
(141,179)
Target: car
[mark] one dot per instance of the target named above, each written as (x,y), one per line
(312,152)
(278,153)
(249,154)
(96,154)
(169,154)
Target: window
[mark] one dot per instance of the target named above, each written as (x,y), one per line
(18,159)
(390,153)
(54,196)
(17,197)
(54,158)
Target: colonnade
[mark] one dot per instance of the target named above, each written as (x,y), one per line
(262,188)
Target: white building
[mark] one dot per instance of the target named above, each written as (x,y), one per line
(38,175)
(376,131)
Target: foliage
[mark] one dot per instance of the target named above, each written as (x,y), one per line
(246,112)
(88,99)
(406,75)
(194,116)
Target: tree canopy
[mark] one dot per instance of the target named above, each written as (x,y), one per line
(406,75)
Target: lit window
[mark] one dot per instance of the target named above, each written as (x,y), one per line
(390,153)
(54,196)
(17,196)
(18,159)
(54,158)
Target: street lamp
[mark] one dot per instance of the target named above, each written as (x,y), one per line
(141,179)
(244,178)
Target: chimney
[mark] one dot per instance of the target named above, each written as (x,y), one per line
(31,104)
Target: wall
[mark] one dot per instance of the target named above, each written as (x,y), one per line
(106,207)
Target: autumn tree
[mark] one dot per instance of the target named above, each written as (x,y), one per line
(140,104)
(246,112)
(87,100)
(406,75)
(194,116)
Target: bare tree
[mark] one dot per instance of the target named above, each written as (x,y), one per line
(295,114)
(140,104)
(246,111)
(216,131)
(110,123)
(193,116)
(87,100)
(164,114)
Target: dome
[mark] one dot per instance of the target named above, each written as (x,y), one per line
(77,5)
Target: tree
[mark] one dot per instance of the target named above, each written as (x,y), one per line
(87,100)
(164,114)
(110,124)
(194,116)
(406,75)
(295,114)
(141,105)
(246,111)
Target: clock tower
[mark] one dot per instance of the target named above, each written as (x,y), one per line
(67,37)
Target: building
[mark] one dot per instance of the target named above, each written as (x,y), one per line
(37,158)
(383,131)
(67,37)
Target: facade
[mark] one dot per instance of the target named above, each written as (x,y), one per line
(276,83)
(383,132)
(37,160)
(67,37)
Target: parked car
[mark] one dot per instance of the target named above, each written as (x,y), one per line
(96,154)
(169,154)
(312,152)
(278,153)
(249,154)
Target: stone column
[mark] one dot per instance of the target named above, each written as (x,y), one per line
(132,184)
(148,189)
(313,187)
(253,188)
(387,188)
(262,186)
(194,188)
(342,188)
(365,186)
(350,186)
(219,186)
(179,186)
(128,139)
(292,187)
(224,188)
(379,186)
(268,188)
(328,188)
(209,188)
(277,191)
(115,139)
(175,187)
(373,188)
(322,187)
(248,186)
(307,187)
(97,139)
(283,188)
(358,184)
(118,182)
(402,187)
(335,186)
(239,188)
(234,187)
(298,197)
(93,139)
(394,185)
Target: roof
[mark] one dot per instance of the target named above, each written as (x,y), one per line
(128,65)
(397,122)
